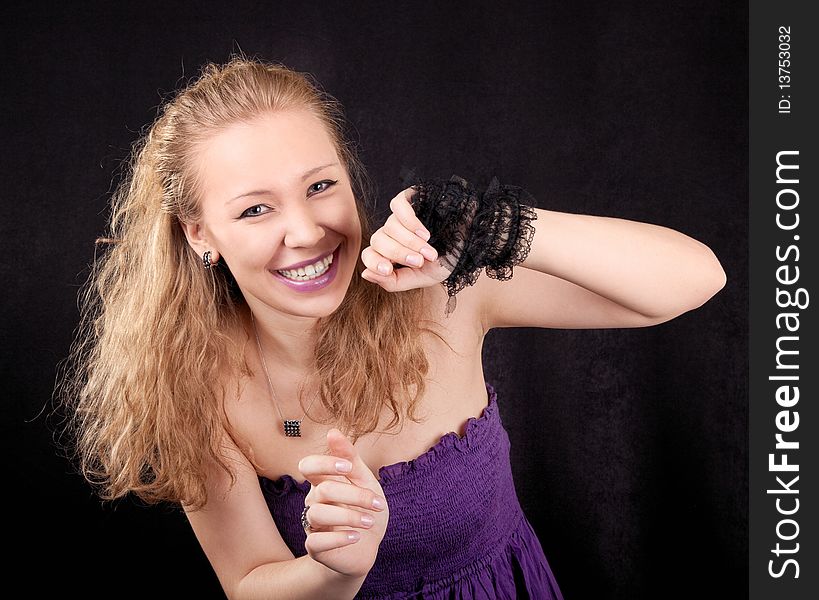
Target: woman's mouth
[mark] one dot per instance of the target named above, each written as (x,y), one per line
(311,277)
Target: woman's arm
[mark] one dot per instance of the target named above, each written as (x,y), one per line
(581,271)
(586,271)
(244,546)
(300,577)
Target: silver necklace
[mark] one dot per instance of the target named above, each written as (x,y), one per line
(292,427)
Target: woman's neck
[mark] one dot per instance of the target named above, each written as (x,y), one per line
(287,347)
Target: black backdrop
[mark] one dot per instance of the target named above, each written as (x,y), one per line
(628,446)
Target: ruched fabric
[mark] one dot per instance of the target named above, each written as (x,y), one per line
(456,528)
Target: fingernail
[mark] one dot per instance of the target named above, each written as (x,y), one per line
(344,466)
(415,260)
(353,536)
(367,520)
(383,268)
(377,504)
(423,233)
(429,252)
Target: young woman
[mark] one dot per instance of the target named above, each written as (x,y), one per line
(324,423)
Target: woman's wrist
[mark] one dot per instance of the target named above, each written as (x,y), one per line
(474,230)
(338,585)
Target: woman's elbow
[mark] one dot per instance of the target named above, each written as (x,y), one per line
(717,274)
(712,279)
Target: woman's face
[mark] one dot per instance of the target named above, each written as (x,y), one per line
(275,194)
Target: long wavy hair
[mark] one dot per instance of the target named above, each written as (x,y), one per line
(142,383)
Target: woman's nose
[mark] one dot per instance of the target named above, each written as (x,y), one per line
(301,227)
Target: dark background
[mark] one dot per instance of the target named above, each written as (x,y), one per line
(629,446)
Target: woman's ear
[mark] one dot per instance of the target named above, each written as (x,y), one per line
(197,239)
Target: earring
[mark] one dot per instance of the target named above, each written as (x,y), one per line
(206,260)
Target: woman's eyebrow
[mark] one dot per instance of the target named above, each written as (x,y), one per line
(303,177)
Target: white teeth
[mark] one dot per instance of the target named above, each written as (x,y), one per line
(310,271)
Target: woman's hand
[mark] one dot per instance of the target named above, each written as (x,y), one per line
(402,239)
(338,500)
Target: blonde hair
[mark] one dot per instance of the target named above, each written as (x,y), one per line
(142,385)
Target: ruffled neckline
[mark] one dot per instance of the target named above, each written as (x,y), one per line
(475,428)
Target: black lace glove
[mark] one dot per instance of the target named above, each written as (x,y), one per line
(473,230)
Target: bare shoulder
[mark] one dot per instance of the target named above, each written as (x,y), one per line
(235,527)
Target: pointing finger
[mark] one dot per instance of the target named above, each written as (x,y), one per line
(341,447)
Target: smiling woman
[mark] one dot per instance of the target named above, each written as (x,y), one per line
(247,173)
(290,219)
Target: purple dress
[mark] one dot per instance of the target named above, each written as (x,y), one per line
(456,528)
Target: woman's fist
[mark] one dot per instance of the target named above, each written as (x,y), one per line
(343,503)
(402,240)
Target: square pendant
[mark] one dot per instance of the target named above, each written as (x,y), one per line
(292,428)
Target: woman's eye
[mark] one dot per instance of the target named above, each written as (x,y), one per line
(249,213)
(328,182)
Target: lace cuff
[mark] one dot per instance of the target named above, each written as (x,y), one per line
(473,230)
